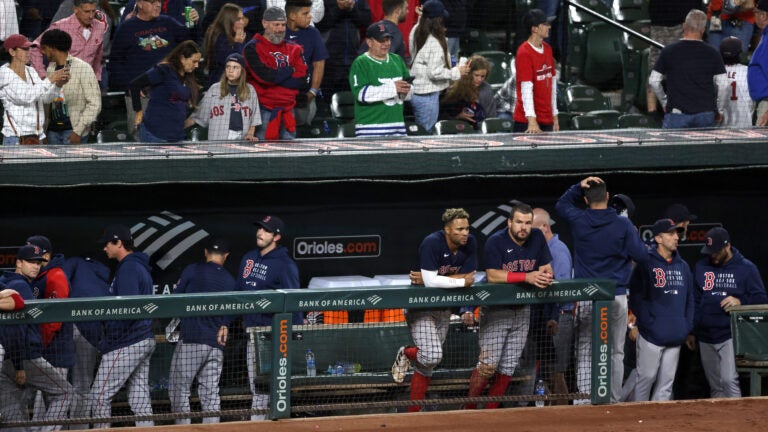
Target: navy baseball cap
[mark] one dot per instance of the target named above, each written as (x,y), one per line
(434,9)
(217,244)
(665,225)
(623,205)
(762,5)
(730,48)
(30,252)
(42,242)
(115,232)
(717,239)
(272,224)
(378,31)
(679,213)
(237,58)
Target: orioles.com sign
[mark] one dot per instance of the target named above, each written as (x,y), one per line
(363,246)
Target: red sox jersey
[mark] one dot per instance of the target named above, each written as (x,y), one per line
(501,252)
(539,68)
(275,71)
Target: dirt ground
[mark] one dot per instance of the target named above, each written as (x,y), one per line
(715,415)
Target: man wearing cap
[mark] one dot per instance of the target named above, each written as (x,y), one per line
(24,364)
(377,79)
(395,13)
(87,33)
(269,267)
(561,325)
(739,106)
(695,74)
(724,279)
(199,351)
(661,297)
(277,71)
(757,73)
(128,344)
(536,108)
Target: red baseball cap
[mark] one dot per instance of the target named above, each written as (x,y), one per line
(17,41)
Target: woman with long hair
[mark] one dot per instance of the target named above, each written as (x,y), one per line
(431,66)
(230,108)
(471,98)
(225,36)
(24,94)
(174,89)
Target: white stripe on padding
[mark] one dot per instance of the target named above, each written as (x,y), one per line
(180,248)
(494,225)
(144,236)
(159,220)
(168,236)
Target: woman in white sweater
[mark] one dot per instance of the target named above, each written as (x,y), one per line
(431,66)
(24,94)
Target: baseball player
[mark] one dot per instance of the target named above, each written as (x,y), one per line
(448,259)
(88,278)
(128,344)
(24,364)
(199,351)
(269,267)
(723,279)
(662,301)
(515,254)
(738,107)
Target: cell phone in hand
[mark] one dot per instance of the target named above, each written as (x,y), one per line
(409,79)
(68,65)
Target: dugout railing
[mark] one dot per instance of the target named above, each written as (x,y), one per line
(362,352)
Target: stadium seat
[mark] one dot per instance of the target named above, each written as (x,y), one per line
(562,104)
(415,129)
(636,121)
(578,23)
(583,98)
(564,120)
(501,67)
(634,57)
(630,10)
(112,109)
(589,122)
(116,131)
(476,40)
(602,60)
(496,125)
(347,130)
(453,127)
(610,117)
(319,128)
(343,106)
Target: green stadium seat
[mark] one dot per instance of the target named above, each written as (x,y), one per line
(496,125)
(602,61)
(453,127)
(583,98)
(319,128)
(637,121)
(564,120)
(415,129)
(476,40)
(634,58)
(116,131)
(347,130)
(562,104)
(610,117)
(578,23)
(589,122)
(501,67)
(112,109)
(343,106)
(630,10)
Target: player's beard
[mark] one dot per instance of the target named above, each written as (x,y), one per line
(520,240)
(275,38)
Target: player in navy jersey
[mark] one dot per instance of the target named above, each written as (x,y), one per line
(447,259)
(725,278)
(515,254)
(199,353)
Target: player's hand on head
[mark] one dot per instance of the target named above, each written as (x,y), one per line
(586,181)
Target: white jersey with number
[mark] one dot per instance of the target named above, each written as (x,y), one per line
(738,104)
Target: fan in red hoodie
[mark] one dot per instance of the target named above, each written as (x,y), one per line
(276,69)
(50,283)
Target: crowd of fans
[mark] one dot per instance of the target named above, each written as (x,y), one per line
(167,57)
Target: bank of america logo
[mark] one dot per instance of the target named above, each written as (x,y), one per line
(482,295)
(263,303)
(591,289)
(492,220)
(374,299)
(34,313)
(150,307)
(167,234)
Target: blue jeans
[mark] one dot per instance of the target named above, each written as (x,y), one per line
(261,131)
(743,32)
(63,137)
(689,121)
(146,136)
(10,140)
(454,48)
(426,108)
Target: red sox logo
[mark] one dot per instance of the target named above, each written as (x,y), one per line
(709,277)
(661,280)
(281,60)
(248,268)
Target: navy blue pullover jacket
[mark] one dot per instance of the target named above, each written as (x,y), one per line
(131,278)
(273,271)
(88,278)
(204,278)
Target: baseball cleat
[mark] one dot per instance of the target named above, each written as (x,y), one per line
(401,366)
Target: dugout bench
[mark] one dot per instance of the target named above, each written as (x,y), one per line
(749,328)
